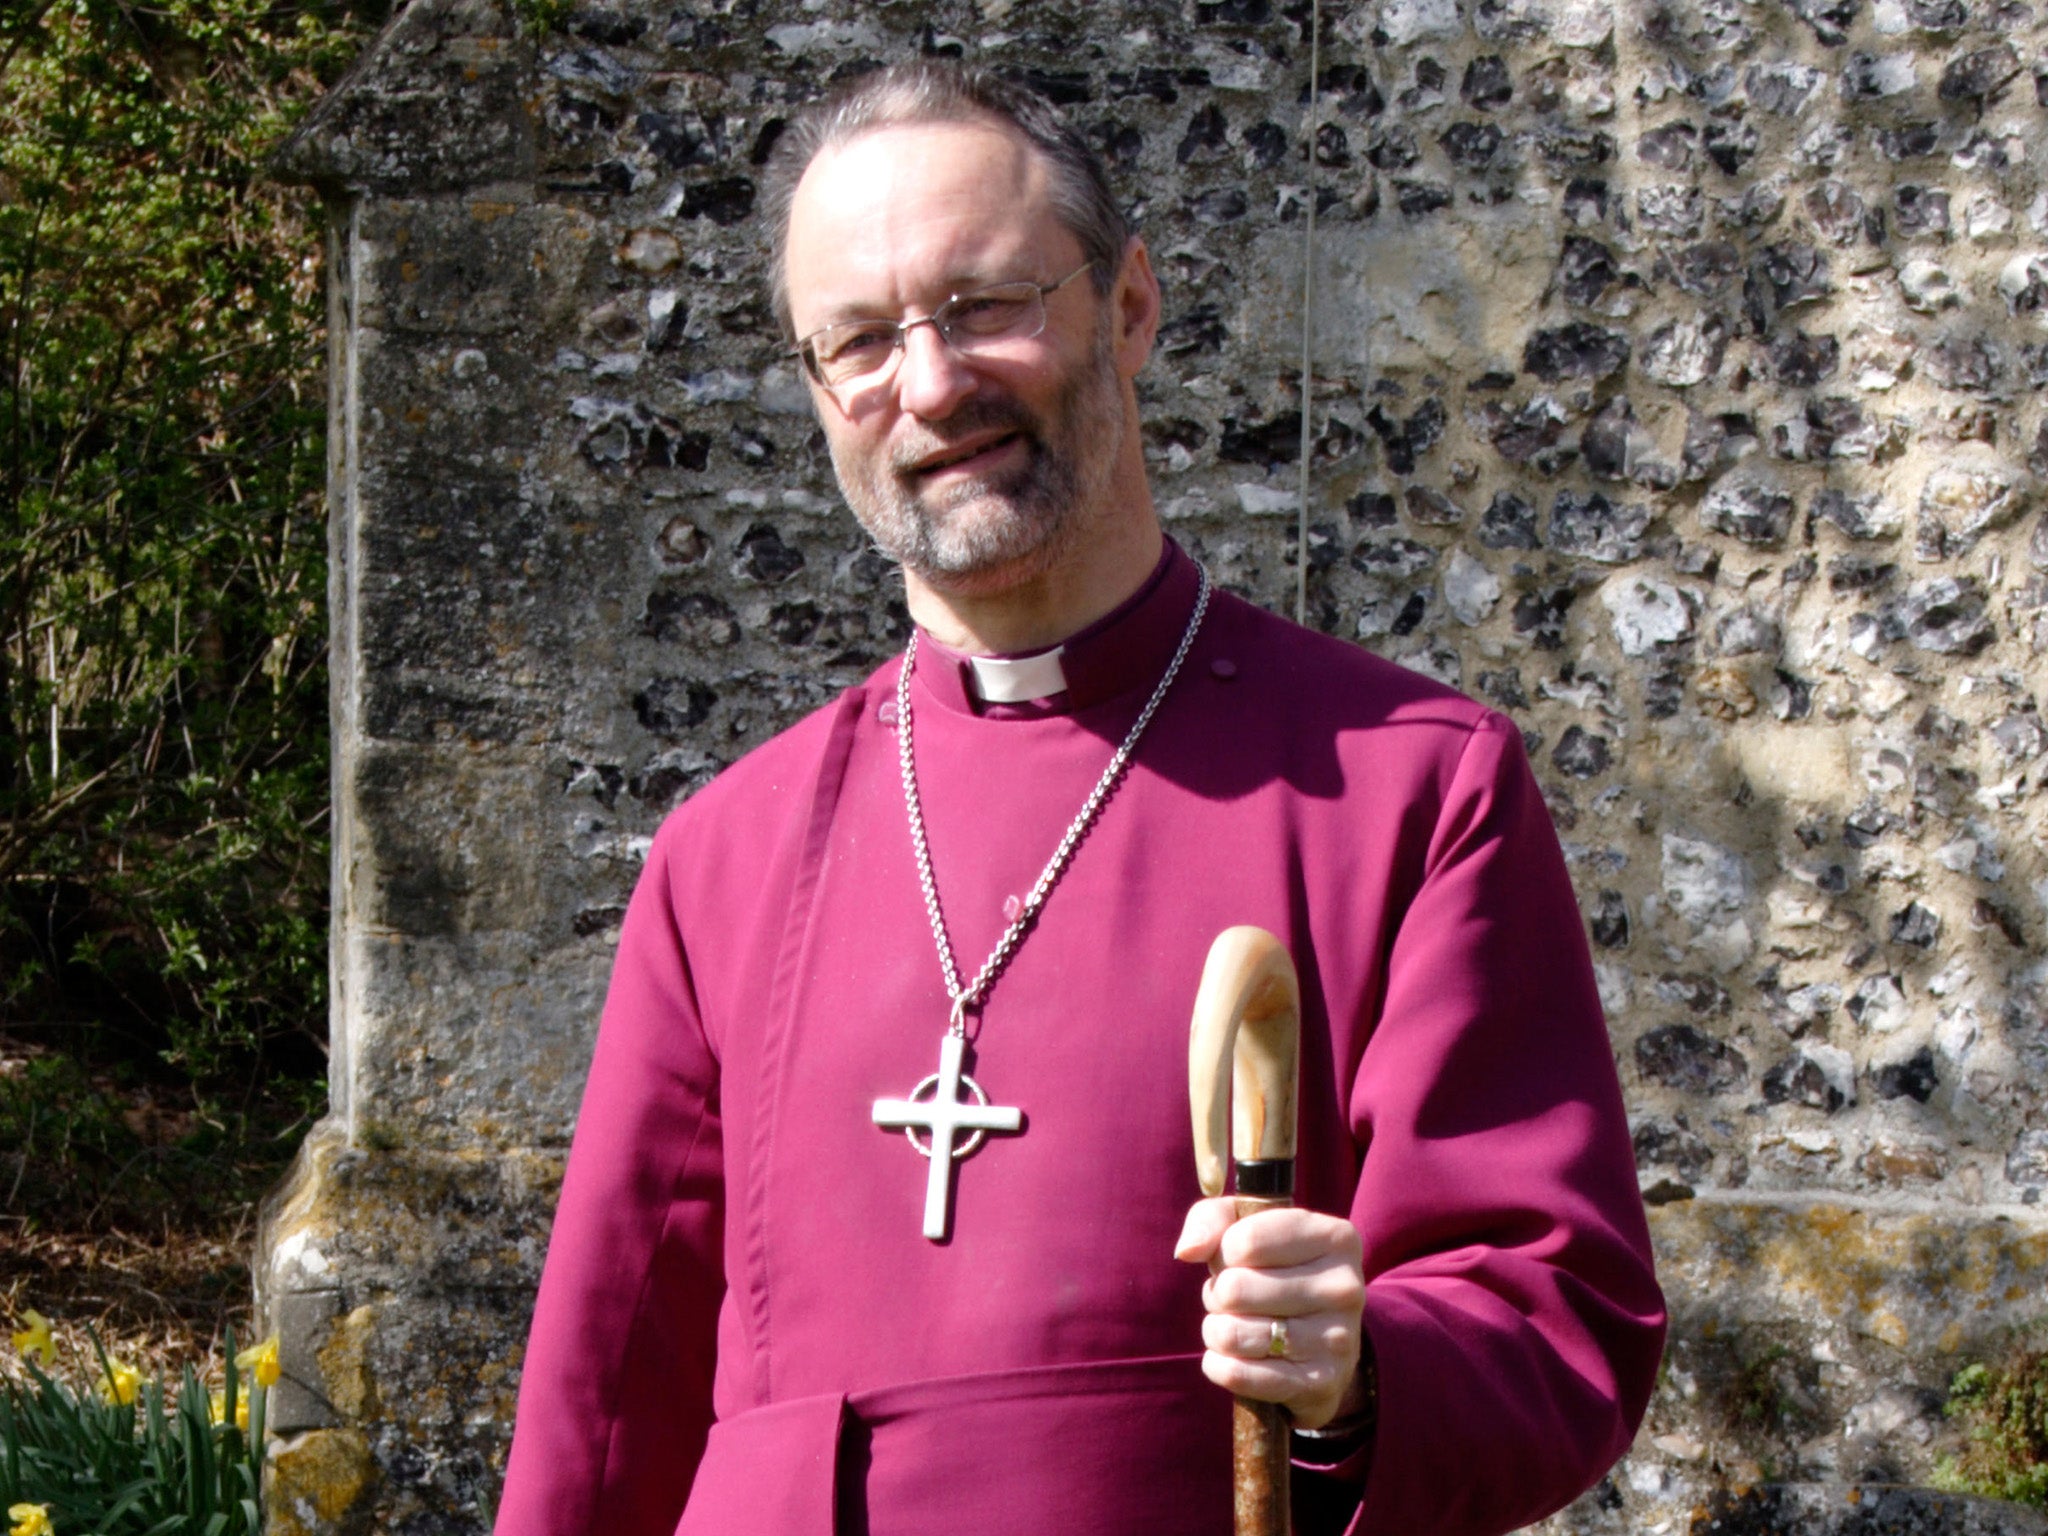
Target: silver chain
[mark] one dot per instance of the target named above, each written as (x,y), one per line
(966,997)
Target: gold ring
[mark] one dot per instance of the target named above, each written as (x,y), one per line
(1276,1338)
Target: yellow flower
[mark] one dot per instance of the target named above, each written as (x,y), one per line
(123,1381)
(35,1340)
(220,1408)
(30,1519)
(262,1359)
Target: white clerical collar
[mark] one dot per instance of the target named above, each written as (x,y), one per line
(998,680)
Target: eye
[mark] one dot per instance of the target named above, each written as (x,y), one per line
(853,343)
(990,313)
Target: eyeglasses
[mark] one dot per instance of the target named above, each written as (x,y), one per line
(863,351)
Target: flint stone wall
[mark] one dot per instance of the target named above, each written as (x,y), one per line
(1677,388)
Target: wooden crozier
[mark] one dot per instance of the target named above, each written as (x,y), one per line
(1243,1052)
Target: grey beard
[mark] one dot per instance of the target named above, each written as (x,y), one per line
(1049,499)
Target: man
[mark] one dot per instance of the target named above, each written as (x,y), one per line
(762,1311)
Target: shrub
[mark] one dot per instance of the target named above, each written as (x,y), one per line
(2004,1410)
(82,1152)
(163,760)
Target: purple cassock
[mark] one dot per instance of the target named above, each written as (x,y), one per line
(742,1327)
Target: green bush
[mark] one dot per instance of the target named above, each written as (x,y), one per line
(2004,1410)
(163,752)
(117,1457)
(80,1153)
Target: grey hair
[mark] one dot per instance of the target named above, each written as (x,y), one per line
(935,91)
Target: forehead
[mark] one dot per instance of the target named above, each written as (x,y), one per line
(903,215)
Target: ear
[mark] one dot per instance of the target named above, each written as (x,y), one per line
(1135,302)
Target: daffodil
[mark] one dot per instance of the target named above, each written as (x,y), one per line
(261,1359)
(123,1381)
(35,1340)
(30,1519)
(220,1408)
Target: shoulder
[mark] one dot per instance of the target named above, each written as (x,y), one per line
(1316,683)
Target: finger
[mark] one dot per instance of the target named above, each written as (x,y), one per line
(1310,1379)
(1207,1221)
(1317,1336)
(1286,1236)
(1327,1285)
(1311,1387)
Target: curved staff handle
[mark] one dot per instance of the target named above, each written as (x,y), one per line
(1244,1050)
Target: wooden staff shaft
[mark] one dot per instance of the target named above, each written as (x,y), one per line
(1259,1469)
(1261,1444)
(1243,1049)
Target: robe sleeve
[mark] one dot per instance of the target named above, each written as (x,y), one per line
(615,1395)
(1511,1300)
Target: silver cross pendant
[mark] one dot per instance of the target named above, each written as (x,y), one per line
(945,1114)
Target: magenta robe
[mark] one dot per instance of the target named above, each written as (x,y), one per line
(739,1310)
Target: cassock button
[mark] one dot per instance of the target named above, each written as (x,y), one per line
(1223,667)
(885,712)
(1012,905)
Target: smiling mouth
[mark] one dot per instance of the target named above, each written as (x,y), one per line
(973,454)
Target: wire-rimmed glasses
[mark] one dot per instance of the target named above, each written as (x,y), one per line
(862,353)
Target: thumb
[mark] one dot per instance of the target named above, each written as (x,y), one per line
(1207,1221)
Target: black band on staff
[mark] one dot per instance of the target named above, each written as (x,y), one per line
(1267,1177)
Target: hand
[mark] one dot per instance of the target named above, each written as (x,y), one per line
(1300,1266)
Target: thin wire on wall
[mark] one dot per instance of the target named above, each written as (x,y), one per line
(1308,300)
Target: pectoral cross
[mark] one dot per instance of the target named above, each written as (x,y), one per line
(945,1114)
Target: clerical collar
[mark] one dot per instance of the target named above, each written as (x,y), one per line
(1018,679)
(1123,651)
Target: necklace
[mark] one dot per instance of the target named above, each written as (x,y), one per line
(945,1114)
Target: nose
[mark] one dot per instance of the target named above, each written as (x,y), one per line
(931,378)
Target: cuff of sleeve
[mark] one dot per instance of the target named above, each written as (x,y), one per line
(1340,1452)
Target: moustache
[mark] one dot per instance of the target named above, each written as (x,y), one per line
(971,419)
